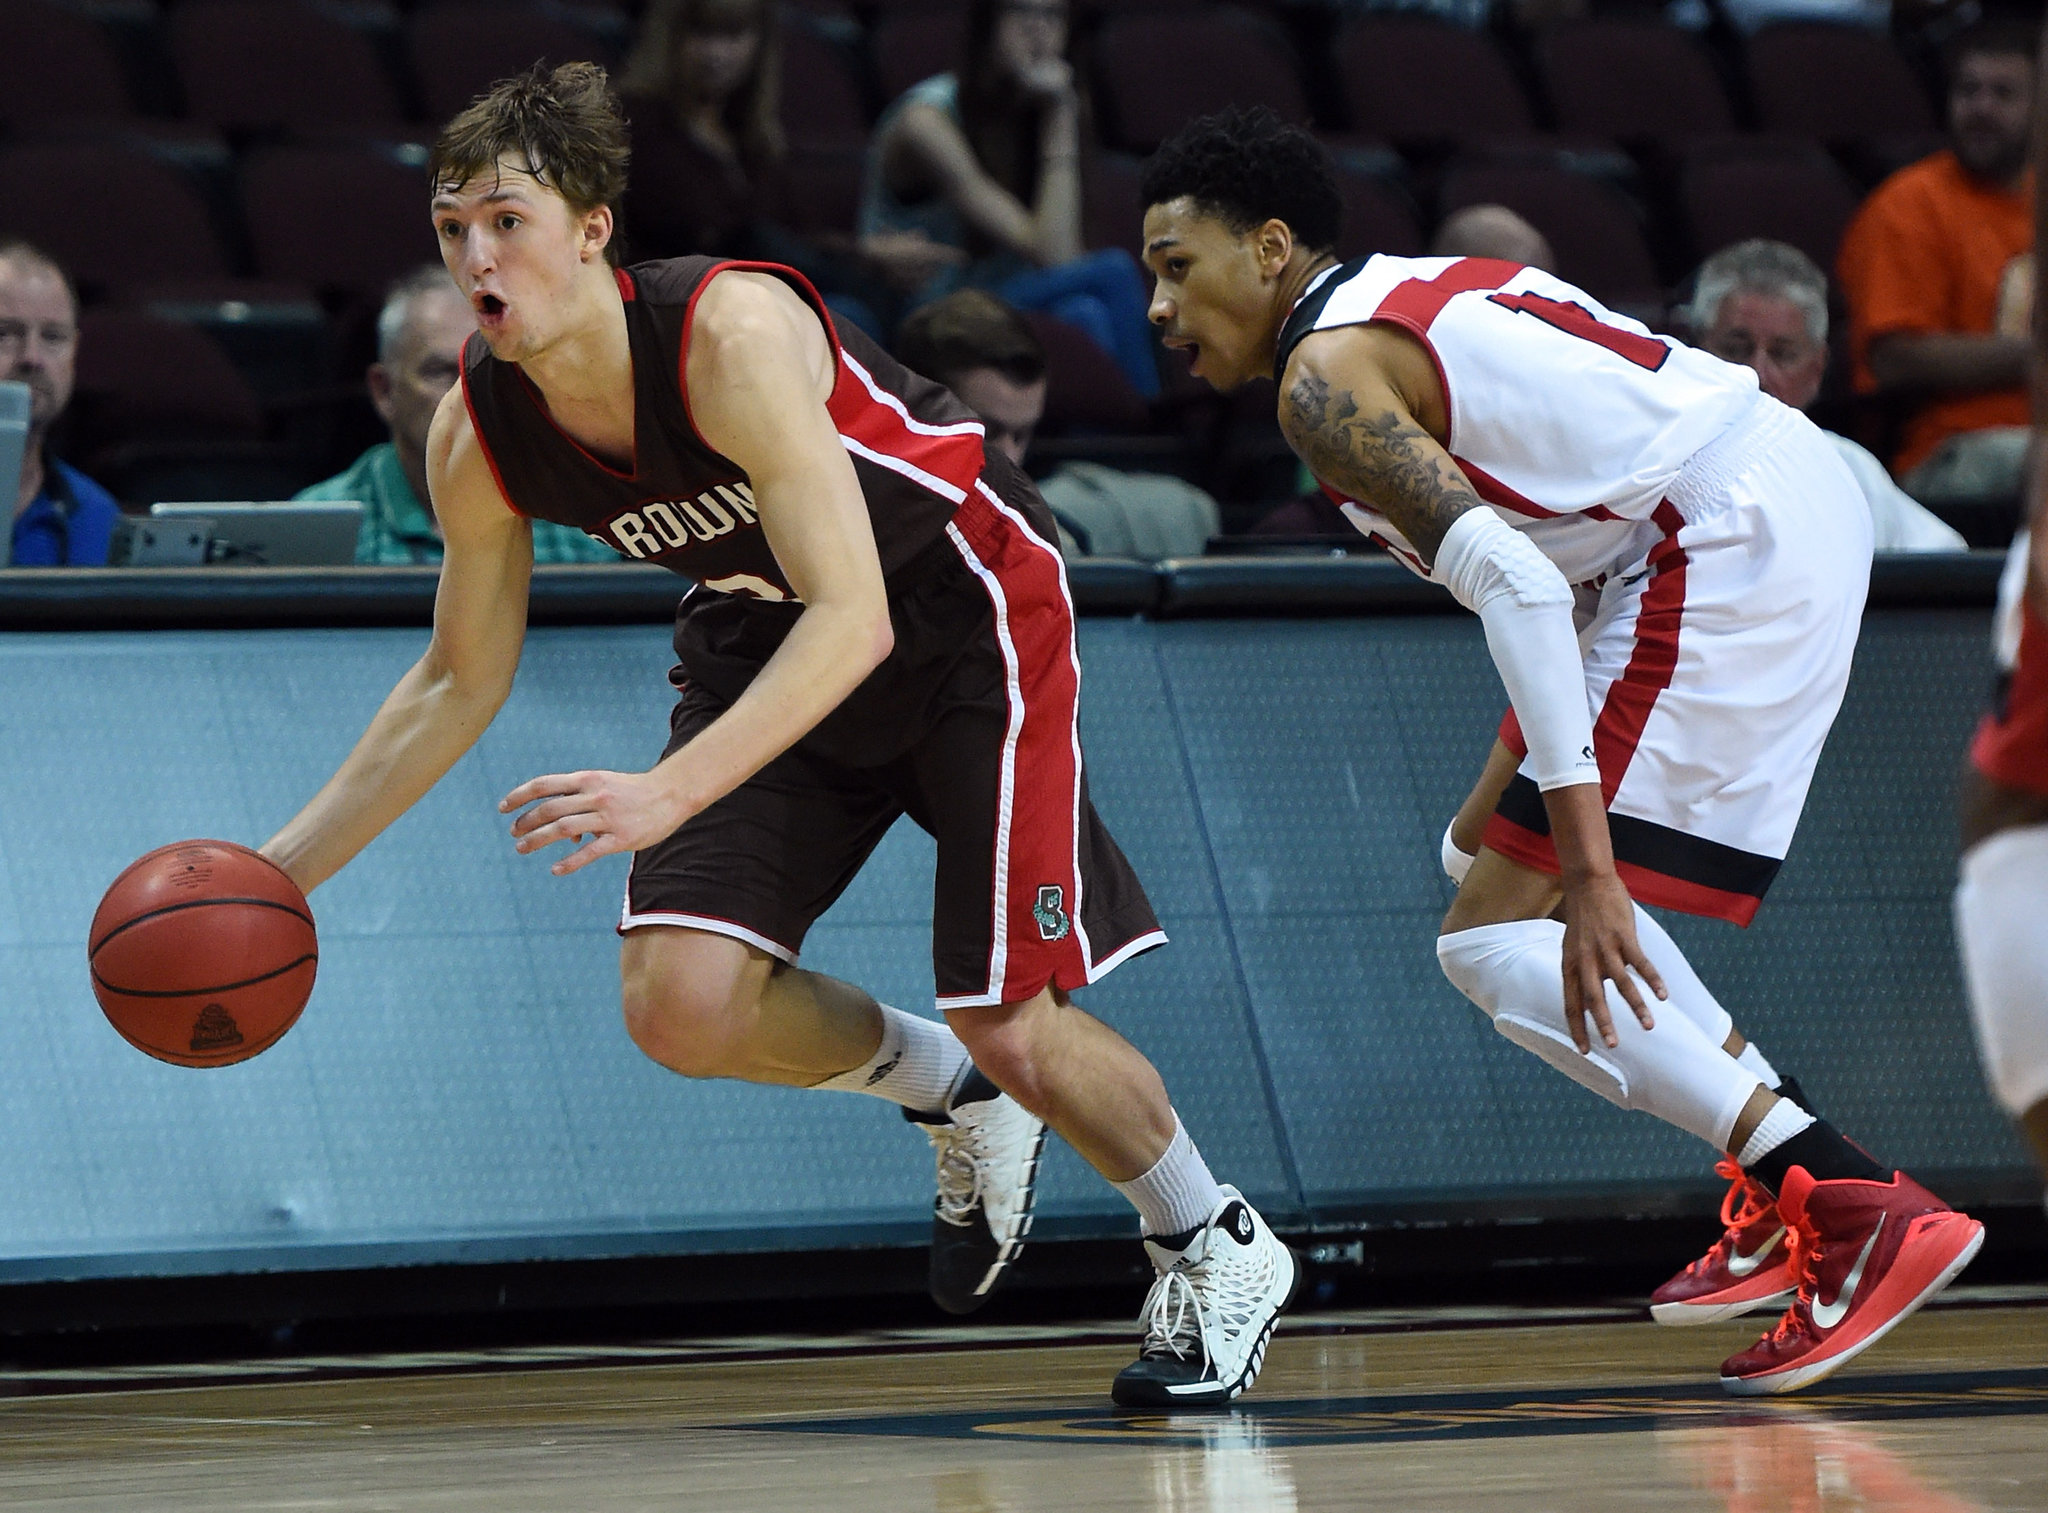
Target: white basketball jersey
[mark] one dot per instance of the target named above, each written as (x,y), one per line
(1570,420)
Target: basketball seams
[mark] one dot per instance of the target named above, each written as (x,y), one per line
(194,903)
(225,987)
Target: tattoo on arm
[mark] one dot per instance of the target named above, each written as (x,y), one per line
(1387,461)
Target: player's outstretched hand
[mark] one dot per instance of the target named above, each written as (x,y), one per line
(1600,947)
(618,811)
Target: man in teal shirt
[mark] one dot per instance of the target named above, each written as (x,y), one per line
(419,355)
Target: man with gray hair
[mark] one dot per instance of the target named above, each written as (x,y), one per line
(1764,305)
(420,333)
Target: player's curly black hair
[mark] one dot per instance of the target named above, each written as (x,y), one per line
(1246,166)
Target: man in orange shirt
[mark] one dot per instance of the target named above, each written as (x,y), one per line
(1938,274)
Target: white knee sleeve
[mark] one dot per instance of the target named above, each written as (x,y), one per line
(2005,960)
(1688,994)
(1515,973)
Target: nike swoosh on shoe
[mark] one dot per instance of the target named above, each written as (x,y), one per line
(1740,1265)
(1828,1315)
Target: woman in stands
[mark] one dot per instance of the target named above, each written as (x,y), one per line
(703,95)
(982,168)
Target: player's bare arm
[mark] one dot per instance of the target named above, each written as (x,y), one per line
(455,690)
(1363,407)
(760,368)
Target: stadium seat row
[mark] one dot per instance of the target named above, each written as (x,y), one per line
(271,64)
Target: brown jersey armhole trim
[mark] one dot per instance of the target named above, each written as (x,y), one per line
(788,275)
(477,430)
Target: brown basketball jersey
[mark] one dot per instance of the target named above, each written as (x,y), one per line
(916,449)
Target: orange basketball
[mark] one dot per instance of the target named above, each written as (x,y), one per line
(203,953)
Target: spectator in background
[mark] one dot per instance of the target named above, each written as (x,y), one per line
(980,171)
(1765,305)
(1938,278)
(61,517)
(420,333)
(988,355)
(703,93)
(1492,231)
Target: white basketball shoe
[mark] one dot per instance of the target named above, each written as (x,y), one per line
(987,1147)
(1207,1319)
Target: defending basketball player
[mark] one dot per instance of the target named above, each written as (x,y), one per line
(880,626)
(2004,868)
(1670,567)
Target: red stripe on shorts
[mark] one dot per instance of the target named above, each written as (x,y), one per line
(1037,936)
(2011,745)
(1632,696)
(1539,853)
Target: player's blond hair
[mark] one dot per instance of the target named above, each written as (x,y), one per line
(564,122)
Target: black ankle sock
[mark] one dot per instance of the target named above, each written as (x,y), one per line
(1826,1156)
(1788,1087)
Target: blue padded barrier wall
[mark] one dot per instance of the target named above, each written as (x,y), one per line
(461,1087)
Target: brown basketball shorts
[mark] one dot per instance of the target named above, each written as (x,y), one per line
(970,728)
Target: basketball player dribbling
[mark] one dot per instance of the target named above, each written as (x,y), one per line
(1502,434)
(2004,870)
(880,626)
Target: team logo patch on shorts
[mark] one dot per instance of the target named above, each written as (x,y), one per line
(1050,912)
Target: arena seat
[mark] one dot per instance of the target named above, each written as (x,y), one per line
(1156,70)
(822,100)
(112,215)
(824,186)
(1378,216)
(1110,213)
(459,48)
(142,376)
(1833,83)
(338,219)
(1790,192)
(57,65)
(1629,80)
(914,43)
(1409,78)
(278,63)
(1084,388)
(1595,231)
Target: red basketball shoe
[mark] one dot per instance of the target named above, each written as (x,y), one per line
(1750,1266)
(1867,1254)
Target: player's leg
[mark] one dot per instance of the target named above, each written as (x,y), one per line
(1707,743)
(1033,900)
(2003,873)
(713,920)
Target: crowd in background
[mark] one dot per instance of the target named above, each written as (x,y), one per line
(981,234)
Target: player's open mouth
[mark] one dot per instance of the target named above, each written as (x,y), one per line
(489,309)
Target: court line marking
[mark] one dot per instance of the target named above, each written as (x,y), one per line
(936,1339)
(1464,1415)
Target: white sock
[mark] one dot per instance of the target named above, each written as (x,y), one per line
(1515,973)
(2005,960)
(1178,1193)
(1785,1120)
(916,1064)
(1755,1060)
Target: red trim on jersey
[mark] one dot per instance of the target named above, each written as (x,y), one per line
(1511,733)
(954,457)
(787,275)
(2011,744)
(1493,491)
(462,367)
(627,291)
(1631,697)
(1539,852)
(1414,304)
(1038,826)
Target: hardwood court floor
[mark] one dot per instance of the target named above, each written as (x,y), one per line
(1475,1409)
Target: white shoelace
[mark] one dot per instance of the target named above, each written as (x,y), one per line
(1172,1317)
(959,1152)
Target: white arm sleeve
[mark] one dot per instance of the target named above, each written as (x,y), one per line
(1526,607)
